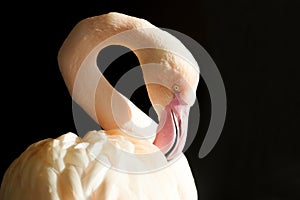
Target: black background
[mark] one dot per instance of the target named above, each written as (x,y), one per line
(254,44)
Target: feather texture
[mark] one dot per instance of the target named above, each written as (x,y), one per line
(65,169)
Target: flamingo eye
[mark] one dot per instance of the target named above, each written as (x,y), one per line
(176,88)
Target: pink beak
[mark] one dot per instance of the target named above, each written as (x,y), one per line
(172,129)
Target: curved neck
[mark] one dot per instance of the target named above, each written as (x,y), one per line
(88,87)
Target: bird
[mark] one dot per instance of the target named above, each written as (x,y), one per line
(132,157)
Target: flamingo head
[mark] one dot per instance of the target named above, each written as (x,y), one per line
(171,84)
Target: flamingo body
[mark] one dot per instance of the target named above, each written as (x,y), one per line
(64,169)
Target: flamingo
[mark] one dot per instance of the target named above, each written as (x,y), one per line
(70,167)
